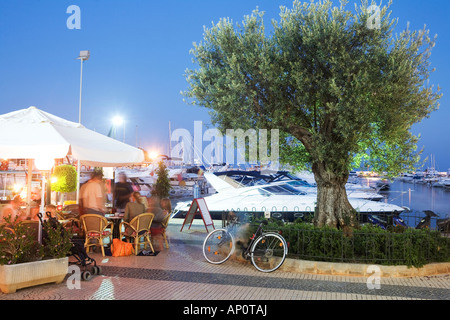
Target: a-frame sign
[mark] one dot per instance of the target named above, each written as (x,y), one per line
(198,206)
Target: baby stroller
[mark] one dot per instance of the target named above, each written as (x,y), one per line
(77,251)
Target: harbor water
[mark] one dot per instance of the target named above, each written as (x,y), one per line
(415,196)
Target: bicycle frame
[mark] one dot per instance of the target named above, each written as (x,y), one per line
(259,232)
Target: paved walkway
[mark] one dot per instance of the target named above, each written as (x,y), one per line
(181,273)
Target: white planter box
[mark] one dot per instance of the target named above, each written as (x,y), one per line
(18,276)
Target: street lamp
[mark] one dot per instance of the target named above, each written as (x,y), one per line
(117,122)
(84,56)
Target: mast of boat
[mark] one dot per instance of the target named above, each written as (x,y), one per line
(170,141)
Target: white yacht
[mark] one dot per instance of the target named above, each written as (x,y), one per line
(250,178)
(443,182)
(280,200)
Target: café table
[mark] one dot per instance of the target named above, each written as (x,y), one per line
(116,220)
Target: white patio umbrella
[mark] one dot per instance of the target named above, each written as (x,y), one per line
(34,134)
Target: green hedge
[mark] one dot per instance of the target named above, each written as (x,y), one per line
(368,244)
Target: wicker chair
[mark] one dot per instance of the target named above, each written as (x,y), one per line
(74,225)
(136,229)
(94,227)
(162,230)
(165,224)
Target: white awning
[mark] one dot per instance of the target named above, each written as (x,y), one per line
(32,133)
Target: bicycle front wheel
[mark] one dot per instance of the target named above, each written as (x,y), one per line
(268,252)
(218,246)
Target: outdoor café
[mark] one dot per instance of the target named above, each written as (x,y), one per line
(34,143)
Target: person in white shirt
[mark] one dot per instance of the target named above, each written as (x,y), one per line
(93,196)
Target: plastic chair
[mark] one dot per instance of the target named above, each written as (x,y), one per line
(138,228)
(94,227)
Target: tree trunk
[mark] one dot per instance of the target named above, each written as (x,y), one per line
(333,208)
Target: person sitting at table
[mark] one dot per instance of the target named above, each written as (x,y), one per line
(166,205)
(134,207)
(157,229)
(13,211)
(122,192)
(50,212)
(154,206)
(34,211)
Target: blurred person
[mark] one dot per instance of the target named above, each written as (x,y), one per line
(92,195)
(122,192)
(34,211)
(166,205)
(134,207)
(154,206)
(157,229)
(13,211)
(50,212)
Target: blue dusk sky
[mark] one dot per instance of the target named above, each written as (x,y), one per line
(139,53)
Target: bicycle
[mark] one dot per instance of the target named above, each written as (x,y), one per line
(267,250)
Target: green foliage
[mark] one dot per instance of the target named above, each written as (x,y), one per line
(341,94)
(369,244)
(162,186)
(339,88)
(57,244)
(16,245)
(66,179)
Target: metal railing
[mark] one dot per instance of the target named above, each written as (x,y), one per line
(409,248)
(367,244)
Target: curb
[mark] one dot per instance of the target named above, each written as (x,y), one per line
(358,270)
(361,270)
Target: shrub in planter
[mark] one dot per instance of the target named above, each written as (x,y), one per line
(57,243)
(25,262)
(162,186)
(66,179)
(16,245)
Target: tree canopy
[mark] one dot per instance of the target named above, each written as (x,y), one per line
(339,91)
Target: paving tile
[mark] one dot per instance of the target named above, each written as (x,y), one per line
(181,273)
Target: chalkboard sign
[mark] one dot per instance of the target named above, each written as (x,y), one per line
(198,206)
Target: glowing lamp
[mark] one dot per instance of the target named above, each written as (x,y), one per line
(153,155)
(44,164)
(118,121)
(17,188)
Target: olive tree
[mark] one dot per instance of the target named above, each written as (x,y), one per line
(340,88)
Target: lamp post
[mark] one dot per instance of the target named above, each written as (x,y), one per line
(84,56)
(43,164)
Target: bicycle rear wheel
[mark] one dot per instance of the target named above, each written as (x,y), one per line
(268,252)
(218,246)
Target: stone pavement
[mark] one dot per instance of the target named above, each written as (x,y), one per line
(181,273)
